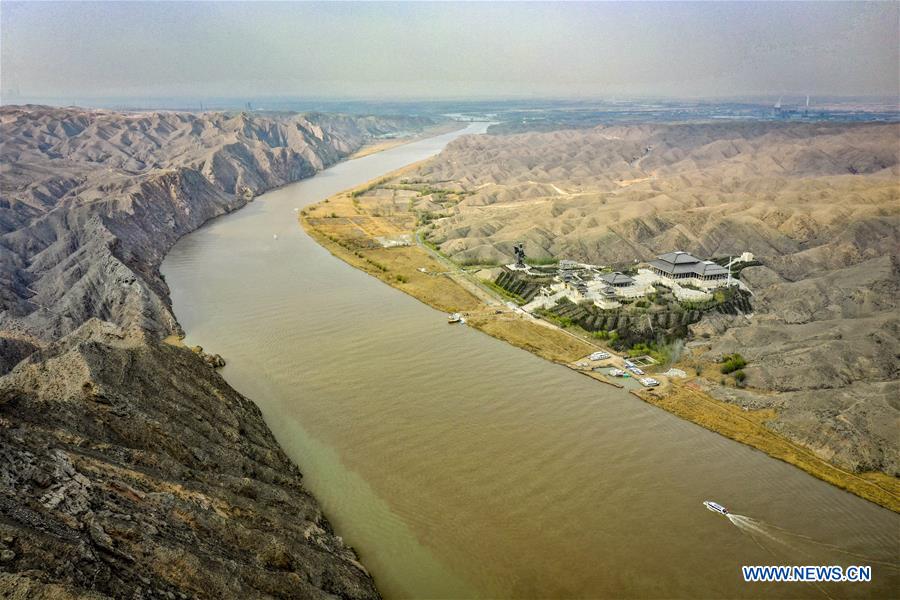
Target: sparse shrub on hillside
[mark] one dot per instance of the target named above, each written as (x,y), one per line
(732,363)
(539,262)
(660,352)
(478,262)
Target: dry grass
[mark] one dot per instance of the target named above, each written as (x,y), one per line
(400,270)
(554,345)
(348,226)
(748,427)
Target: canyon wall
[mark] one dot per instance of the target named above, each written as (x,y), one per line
(128,467)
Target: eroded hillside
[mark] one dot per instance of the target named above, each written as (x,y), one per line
(128,467)
(131,469)
(817,204)
(92,200)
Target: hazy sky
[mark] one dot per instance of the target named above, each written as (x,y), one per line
(412,50)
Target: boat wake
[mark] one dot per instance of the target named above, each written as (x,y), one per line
(779,541)
(788,547)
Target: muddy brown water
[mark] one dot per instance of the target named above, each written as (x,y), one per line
(460,466)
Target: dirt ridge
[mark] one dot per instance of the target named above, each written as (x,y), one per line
(128,467)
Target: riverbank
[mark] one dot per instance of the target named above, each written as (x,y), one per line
(130,466)
(374,228)
(376,146)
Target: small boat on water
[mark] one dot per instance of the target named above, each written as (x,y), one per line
(715,507)
(274,236)
(455,318)
(617,373)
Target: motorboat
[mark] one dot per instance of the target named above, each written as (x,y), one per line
(617,373)
(454,318)
(715,507)
(636,370)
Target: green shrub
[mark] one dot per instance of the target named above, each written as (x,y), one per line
(732,363)
(739,377)
(539,262)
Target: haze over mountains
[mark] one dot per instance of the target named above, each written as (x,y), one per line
(817,203)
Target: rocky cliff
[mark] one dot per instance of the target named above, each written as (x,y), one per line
(128,467)
(131,469)
(92,200)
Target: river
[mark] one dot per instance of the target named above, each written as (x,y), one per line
(460,466)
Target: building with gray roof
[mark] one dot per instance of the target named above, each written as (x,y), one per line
(681,265)
(617,279)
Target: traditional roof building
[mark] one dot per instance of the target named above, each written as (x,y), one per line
(681,265)
(617,279)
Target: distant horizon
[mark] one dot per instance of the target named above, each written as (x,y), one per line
(387,51)
(214,102)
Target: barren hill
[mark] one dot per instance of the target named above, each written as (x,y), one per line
(128,467)
(92,200)
(817,203)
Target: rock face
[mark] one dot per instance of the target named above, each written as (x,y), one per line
(818,204)
(92,200)
(128,467)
